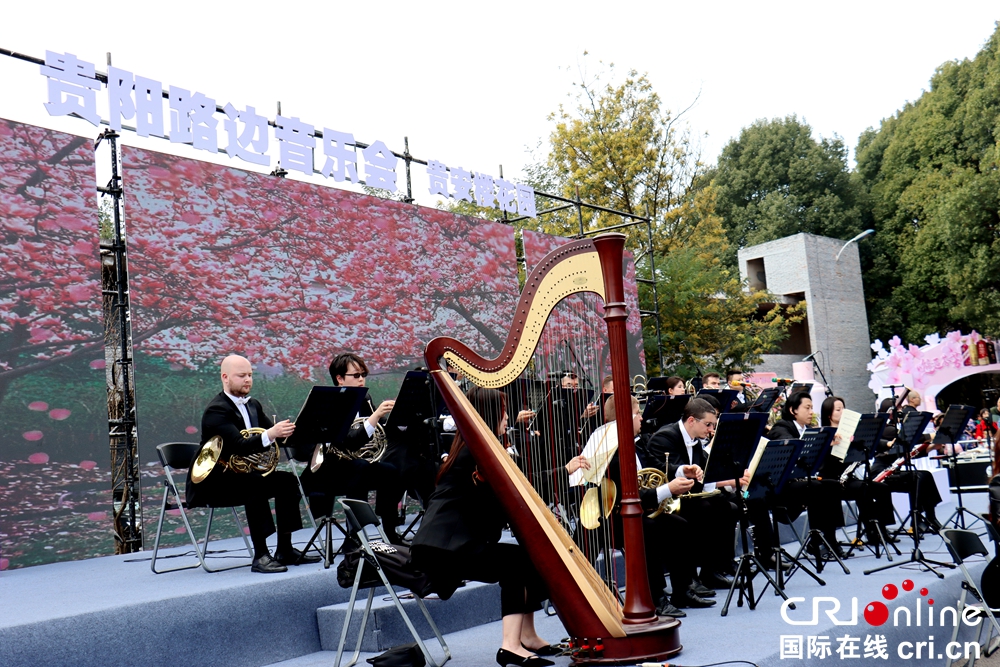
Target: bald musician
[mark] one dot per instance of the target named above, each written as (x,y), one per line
(230,412)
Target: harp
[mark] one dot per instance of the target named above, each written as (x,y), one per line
(630,632)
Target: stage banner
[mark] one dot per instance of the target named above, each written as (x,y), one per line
(290,274)
(575,318)
(55,475)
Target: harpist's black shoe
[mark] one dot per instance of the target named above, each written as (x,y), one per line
(545,650)
(506,658)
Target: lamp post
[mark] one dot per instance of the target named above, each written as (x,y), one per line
(867,232)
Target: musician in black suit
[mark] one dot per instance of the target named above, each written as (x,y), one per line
(668,538)
(230,412)
(822,498)
(459,539)
(352,477)
(715,516)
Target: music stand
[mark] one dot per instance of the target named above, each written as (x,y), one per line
(911,430)
(658,383)
(765,400)
(773,471)
(325,417)
(950,432)
(662,409)
(816,448)
(860,451)
(725,397)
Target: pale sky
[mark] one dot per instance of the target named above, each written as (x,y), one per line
(471,84)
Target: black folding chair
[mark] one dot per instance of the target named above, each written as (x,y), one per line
(963,544)
(177,457)
(359,516)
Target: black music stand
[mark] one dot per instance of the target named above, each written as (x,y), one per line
(658,383)
(860,451)
(725,397)
(735,439)
(325,417)
(765,400)
(911,431)
(773,472)
(661,410)
(951,430)
(815,449)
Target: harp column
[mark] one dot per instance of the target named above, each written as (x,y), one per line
(639,607)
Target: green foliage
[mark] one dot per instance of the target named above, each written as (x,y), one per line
(775,180)
(931,183)
(621,150)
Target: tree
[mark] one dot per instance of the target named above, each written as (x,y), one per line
(930,176)
(50,289)
(620,150)
(775,180)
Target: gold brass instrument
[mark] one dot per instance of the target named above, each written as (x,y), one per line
(590,510)
(650,478)
(372,451)
(639,384)
(208,457)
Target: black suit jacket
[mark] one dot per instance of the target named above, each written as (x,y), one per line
(357,436)
(784,430)
(223,418)
(670,439)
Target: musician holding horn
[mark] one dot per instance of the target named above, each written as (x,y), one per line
(245,432)
(344,475)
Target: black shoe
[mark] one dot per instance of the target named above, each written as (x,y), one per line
(545,650)
(267,565)
(689,600)
(667,609)
(296,557)
(702,591)
(397,539)
(715,580)
(506,658)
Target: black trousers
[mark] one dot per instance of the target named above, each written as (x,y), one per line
(253,491)
(354,478)
(715,520)
(522,590)
(669,541)
(874,500)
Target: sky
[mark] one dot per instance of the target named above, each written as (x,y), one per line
(473,84)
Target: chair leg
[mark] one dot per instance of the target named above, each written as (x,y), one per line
(347,618)
(434,627)
(243,534)
(204,550)
(159,528)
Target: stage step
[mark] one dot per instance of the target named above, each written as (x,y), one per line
(472,605)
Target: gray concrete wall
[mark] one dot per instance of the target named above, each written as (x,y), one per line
(838,325)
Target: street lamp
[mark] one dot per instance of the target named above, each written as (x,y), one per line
(867,232)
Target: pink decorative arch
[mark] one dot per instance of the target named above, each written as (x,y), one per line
(928,368)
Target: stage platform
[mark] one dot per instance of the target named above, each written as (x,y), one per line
(115,611)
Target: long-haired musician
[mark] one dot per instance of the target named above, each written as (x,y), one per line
(229,413)
(459,538)
(354,478)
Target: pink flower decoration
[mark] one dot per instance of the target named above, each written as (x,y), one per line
(246,531)
(895,342)
(88,465)
(4,563)
(39,458)
(174,512)
(191,429)
(954,336)
(98,516)
(59,414)
(32,436)
(915,351)
(79,293)
(98,364)
(176,367)
(180,530)
(246,322)
(38,406)
(195,338)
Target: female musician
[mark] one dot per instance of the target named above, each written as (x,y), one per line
(823,499)
(675,386)
(874,499)
(459,538)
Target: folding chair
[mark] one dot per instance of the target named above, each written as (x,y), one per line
(360,515)
(961,545)
(176,457)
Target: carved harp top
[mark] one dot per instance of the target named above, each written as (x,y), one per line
(586,606)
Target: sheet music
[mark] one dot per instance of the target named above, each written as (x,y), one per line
(848,424)
(755,461)
(600,448)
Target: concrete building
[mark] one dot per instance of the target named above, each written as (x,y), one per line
(836,325)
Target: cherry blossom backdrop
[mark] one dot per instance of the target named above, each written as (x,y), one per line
(576,335)
(54,473)
(289,274)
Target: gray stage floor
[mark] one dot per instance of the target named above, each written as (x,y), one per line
(69,614)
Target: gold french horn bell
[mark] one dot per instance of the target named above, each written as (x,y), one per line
(590,508)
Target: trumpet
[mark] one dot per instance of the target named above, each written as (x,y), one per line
(208,457)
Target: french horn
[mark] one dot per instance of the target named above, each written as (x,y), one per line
(208,457)
(372,451)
